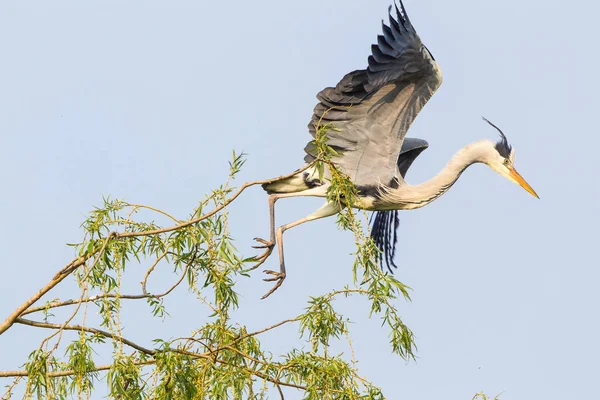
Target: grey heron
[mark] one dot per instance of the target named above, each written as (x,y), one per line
(372,110)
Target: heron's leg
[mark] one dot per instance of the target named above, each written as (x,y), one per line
(269,245)
(272,199)
(326,210)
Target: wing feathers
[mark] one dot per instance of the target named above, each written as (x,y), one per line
(379,56)
(396,29)
(403,16)
(373,108)
(385,47)
(389,38)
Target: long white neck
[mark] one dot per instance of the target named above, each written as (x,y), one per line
(408,197)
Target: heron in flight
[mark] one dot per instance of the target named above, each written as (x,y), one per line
(372,110)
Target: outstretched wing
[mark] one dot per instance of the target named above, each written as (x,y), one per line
(372,109)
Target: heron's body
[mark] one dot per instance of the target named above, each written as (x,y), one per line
(371,111)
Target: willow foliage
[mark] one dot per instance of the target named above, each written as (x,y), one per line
(220,358)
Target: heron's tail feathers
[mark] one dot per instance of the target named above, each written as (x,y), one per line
(297,183)
(384,232)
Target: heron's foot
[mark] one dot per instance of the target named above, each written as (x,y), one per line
(278,278)
(265,244)
(261,258)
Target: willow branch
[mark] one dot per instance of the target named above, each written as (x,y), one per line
(59,277)
(8,374)
(79,261)
(86,300)
(107,296)
(62,274)
(214,211)
(86,329)
(138,206)
(56,374)
(272,380)
(250,371)
(151,269)
(277,325)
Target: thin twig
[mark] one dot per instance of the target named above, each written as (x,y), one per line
(138,206)
(84,290)
(239,339)
(9,388)
(107,296)
(277,325)
(280,392)
(151,269)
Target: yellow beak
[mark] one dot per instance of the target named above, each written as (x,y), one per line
(519,179)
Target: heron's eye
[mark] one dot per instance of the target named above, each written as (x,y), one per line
(506,162)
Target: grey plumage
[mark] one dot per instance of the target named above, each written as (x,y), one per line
(371,111)
(373,108)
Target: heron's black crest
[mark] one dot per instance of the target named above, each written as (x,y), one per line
(502,146)
(384,232)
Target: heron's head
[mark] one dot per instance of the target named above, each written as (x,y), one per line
(501,159)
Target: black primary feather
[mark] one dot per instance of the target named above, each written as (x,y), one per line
(503,147)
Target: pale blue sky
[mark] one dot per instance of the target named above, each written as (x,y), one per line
(145,100)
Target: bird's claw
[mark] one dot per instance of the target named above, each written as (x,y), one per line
(278,277)
(265,244)
(261,258)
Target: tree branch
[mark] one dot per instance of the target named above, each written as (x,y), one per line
(86,300)
(85,329)
(213,212)
(106,296)
(252,372)
(79,261)
(62,274)
(56,374)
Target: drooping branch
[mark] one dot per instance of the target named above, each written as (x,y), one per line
(79,261)
(219,351)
